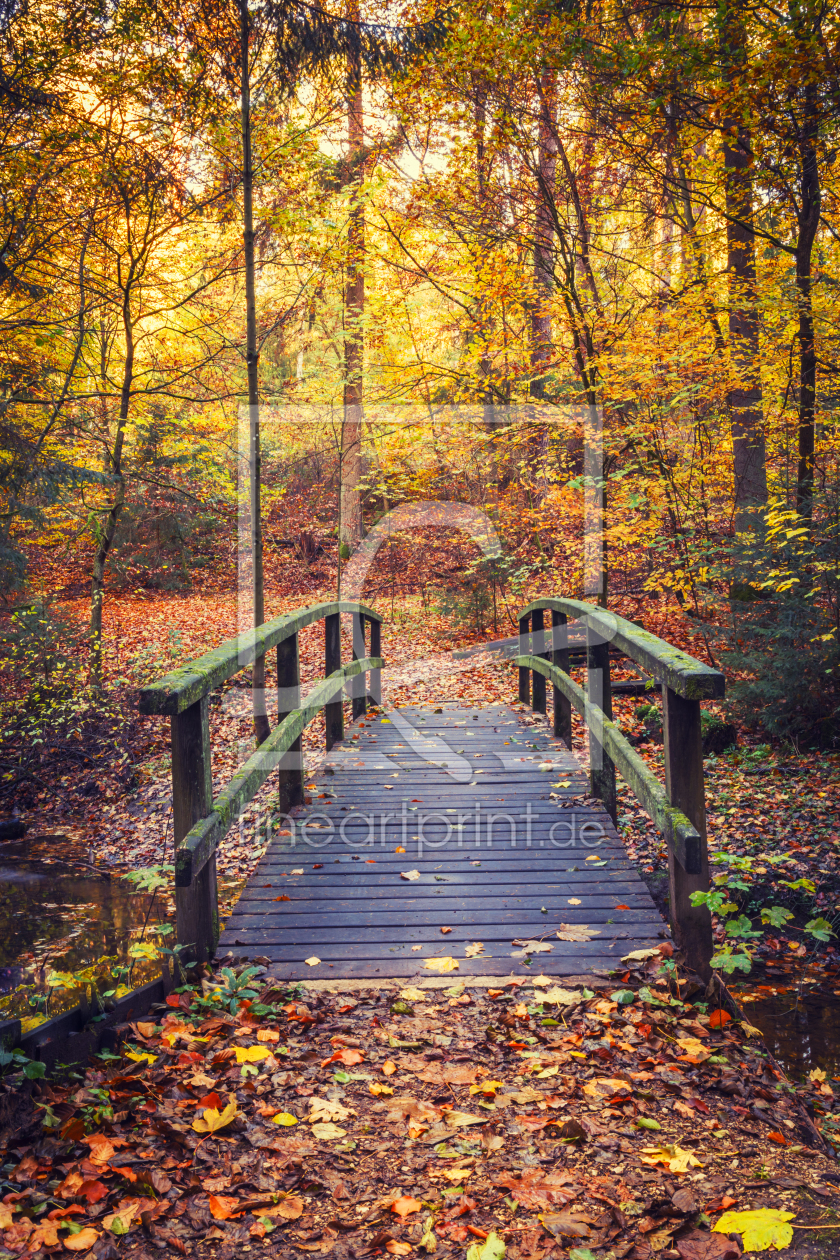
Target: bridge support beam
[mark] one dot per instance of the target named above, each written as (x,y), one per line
(333,713)
(538,680)
(599,692)
(562,705)
(524,650)
(197,906)
(691,925)
(358,691)
(290,772)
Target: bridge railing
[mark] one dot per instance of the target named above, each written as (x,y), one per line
(678,810)
(201,823)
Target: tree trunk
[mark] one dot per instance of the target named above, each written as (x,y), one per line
(354,310)
(744,399)
(261,727)
(106,538)
(541,342)
(809,217)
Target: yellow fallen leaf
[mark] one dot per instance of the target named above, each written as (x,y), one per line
(252,1054)
(312,962)
(474,949)
(457,1119)
(323,1109)
(412,994)
(573,901)
(750,1029)
(328,1132)
(213,1119)
(141,1058)
(761,1229)
(119,1222)
(285,1118)
(442,964)
(486,1087)
(674,1157)
(268,1034)
(816,1076)
(376,1087)
(5,1217)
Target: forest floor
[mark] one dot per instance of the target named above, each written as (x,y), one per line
(611,1122)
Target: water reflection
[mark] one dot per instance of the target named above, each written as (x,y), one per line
(798,1011)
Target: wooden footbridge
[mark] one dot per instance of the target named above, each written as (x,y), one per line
(442,836)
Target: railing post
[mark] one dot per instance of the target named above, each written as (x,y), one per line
(538,684)
(290,772)
(562,708)
(691,925)
(357,684)
(524,650)
(196,907)
(334,712)
(599,694)
(375,684)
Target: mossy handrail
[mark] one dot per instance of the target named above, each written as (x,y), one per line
(199,822)
(679,811)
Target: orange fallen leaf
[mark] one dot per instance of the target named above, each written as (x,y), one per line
(268,1034)
(82,1241)
(347,1056)
(445,930)
(284,897)
(778,1138)
(406,1205)
(718,1018)
(396,1248)
(289,1208)
(223,1207)
(622,907)
(389,1067)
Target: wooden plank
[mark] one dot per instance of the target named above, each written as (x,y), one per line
(196,901)
(357,915)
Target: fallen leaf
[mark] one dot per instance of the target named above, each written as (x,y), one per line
(213,1120)
(409,875)
(575,932)
(605,1085)
(252,1054)
(389,1067)
(532,947)
(376,1087)
(312,962)
(718,1018)
(441,964)
(445,931)
(413,994)
(573,901)
(816,1076)
(474,949)
(760,1229)
(396,1248)
(289,1207)
(223,1207)
(82,1241)
(324,1109)
(328,1132)
(415,948)
(285,1118)
(459,1119)
(699,1245)
(492,1248)
(406,1205)
(674,1157)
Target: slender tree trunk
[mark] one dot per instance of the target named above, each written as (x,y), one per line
(485,366)
(354,311)
(541,343)
(809,217)
(744,400)
(106,538)
(261,727)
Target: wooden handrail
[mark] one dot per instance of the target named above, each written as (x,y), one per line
(176,691)
(674,668)
(199,822)
(680,811)
(201,842)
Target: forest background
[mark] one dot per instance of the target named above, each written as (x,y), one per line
(468,231)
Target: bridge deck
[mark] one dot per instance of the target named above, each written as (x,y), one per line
(498,860)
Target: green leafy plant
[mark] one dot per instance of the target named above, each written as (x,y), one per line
(735,953)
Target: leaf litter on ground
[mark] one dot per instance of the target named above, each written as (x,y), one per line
(502,1131)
